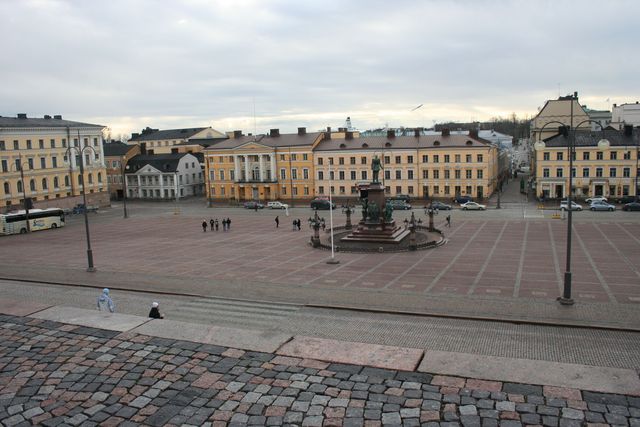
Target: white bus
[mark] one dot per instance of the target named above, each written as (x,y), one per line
(39,219)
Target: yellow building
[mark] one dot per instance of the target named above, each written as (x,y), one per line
(420,166)
(262,167)
(116,156)
(48,150)
(605,164)
(296,167)
(566,110)
(186,140)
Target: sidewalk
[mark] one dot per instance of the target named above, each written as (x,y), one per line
(82,367)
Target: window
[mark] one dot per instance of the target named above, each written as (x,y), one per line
(354,189)
(545,172)
(232,175)
(398,160)
(294,191)
(447,174)
(29,147)
(425,158)
(30,161)
(457,174)
(320,160)
(468,158)
(613,155)
(387,190)
(64,142)
(612,172)
(7,189)
(599,155)
(457,158)
(330,160)
(41,144)
(559,172)
(446,158)
(19,186)
(410,189)
(468,189)
(559,155)
(387,160)
(320,175)
(305,156)
(480,158)
(436,158)
(410,174)
(480,173)
(468,173)
(585,172)
(446,190)
(436,189)
(352,160)
(545,156)
(425,174)
(52,143)
(409,159)
(283,174)
(599,172)
(398,189)
(56,182)
(342,189)
(341,160)
(305,173)
(585,155)
(66,181)
(282,157)
(294,157)
(221,174)
(436,174)
(85,141)
(32,185)
(294,173)
(332,175)
(363,160)
(573,172)
(627,155)
(353,175)
(398,174)
(99,177)
(306,191)
(5,166)
(363,174)
(321,189)
(43,163)
(45,184)
(341,175)
(626,172)
(2,146)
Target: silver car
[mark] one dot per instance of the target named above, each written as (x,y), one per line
(601,206)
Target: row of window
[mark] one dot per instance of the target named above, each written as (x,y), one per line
(435,158)
(586,155)
(283,191)
(44,183)
(52,144)
(4,164)
(613,172)
(252,157)
(435,190)
(155,179)
(435,174)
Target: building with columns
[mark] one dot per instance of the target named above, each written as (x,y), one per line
(49,151)
(163,176)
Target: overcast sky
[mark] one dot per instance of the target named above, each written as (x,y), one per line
(243,64)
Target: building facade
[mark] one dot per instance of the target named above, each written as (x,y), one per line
(297,167)
(116,156)
(186,140)
(49,151)
(163,176)
(625,114)
(605,164)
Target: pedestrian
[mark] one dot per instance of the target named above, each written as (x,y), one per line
(216,224)
(224,224)
(228,223)
(299,224)
(105,302)
(295,224)
(449,221)
(211,224)
(154,313)
(204,226)
(255,207)
(323,224)
(277,222)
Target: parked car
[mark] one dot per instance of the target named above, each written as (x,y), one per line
(462,199)
(81,208)
(399,205)
(626,199)
(596,199)
(633,206)
(277,205)
(403,197)
(440,206)
(602,206)
(472,206)
(252,204)
(322,204)
(574,206)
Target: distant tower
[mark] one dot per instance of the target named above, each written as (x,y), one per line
(347,124)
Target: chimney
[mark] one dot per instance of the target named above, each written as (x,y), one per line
(134,135)
(575,95)
(47,117)
(446,132)
(391,133)
(473,133)
(327,134)
(58,117)
(143,148)
(615,105)
(302,131)
(237,134)
(22,115)
(416,132)
(342,129)
(348,135)
(628,130)
(274,133)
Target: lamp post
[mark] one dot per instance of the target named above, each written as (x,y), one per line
(80,154)
(348,209)
(124,189)
(20,166)
(207,182)
(430,211)
(333,259)
(637,158)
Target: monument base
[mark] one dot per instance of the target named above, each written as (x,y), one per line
(387,232)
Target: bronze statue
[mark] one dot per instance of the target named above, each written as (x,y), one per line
(374,212)
(376,166)
(365,205)
(388,212)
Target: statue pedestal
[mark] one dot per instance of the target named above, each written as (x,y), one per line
(369,230)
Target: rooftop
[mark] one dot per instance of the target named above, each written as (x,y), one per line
(22,121)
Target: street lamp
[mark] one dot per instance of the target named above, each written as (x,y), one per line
(348,209)
(20,166)
(333,260)
(124,188)
(80,154)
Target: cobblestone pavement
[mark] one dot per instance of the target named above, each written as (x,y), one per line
(57,374)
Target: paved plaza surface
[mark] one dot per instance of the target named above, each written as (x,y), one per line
(54,373)
(504,264)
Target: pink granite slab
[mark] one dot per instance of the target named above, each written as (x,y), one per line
(378,356)
(20,308)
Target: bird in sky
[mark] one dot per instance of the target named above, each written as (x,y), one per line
(417,107)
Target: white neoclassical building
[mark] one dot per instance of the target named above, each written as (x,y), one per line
(164,176)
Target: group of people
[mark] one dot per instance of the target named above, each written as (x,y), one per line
(297,224)
(213,224)
(105,303)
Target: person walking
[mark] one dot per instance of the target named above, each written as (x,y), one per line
(299,224)
(449,221)
(277,222)
(105,302)
(294,225)
(154,313)
(224,224)
(204,226)
(216,224)
(211,224)
(228,223)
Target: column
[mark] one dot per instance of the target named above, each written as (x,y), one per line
(161,186)
(261,163)
(272,160)
(139,189)
(246,167)
(236,164)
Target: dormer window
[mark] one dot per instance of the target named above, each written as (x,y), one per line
(387,144)
(343,145)
(436,142)
(365,145)
(469,142)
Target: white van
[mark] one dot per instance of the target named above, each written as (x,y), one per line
(277,205)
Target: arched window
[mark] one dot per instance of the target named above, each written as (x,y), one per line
(90,178)
(7,188)
(32,185)
(45,185)
(55,182)
(66,180)
(99,177)
(20,187)
(79,179)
